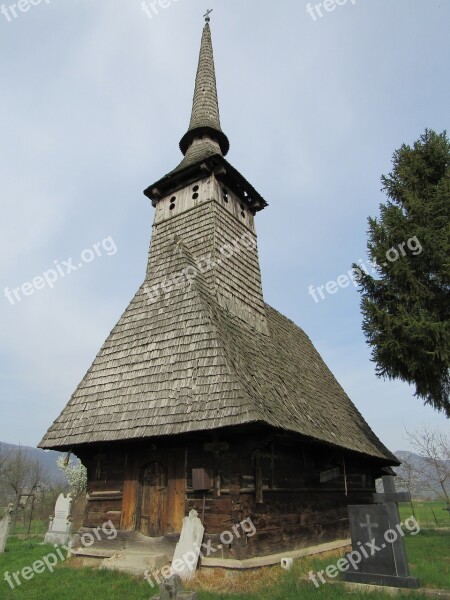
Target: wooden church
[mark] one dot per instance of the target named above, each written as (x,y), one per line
(205,397)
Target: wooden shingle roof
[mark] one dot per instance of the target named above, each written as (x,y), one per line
(183,363)
(205,117)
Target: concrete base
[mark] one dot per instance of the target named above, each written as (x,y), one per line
(62,539)
(272,559)
(183,596)
(135,563)
(393,591)
(382,580)
(129,552)
(134,553)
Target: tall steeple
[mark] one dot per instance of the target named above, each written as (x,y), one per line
(198,354)
(205,145)
(205,117)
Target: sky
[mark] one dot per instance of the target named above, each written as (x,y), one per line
(95,98)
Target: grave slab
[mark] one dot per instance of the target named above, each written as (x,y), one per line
(378,542)
(60,526)
(187,551)
(5,524)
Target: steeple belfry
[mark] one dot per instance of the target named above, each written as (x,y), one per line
(205,117)
(205,145)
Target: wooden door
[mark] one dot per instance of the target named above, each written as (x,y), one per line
(154,482)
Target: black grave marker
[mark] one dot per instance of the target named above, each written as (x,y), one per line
(377,541)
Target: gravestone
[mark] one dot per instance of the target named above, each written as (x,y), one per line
(187,551)
(60,526)
(172,589)
(4,527)
(375,532)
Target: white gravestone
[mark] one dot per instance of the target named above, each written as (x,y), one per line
(60,526)
(185,559)
(4,528)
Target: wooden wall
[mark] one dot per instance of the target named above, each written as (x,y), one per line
(106,469)
(114,486)
(295,493)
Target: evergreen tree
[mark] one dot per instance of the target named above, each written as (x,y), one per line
(405,306)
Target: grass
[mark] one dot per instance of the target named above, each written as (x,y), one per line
(429,559)
(38,527)
(428,514)
(428,553)
(67,581)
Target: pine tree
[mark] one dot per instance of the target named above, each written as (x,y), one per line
(406,305)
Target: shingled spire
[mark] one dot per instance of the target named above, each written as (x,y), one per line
(205,118)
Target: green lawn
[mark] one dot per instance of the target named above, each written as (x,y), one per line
(429,557)
(37,527)
(65,582)
(428,514)
(428,552)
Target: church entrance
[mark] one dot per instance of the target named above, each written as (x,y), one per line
(153,499)
(154,492)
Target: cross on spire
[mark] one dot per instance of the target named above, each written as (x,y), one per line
(206,15)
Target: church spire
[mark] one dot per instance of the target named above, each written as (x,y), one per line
(205,118)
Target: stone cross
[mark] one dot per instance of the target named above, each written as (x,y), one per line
(4,527)
(171,588)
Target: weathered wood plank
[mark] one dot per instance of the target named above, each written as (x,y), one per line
(130,495)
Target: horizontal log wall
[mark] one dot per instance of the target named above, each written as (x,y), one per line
(295,494)
(295,497)
(106,469)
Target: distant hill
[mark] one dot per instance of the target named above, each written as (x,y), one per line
(47,458)
(417,462)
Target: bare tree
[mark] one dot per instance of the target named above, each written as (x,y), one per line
(433,447)
(407,476)
(22,475)
(4,455)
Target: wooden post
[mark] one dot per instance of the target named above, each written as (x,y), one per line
(258,478)
(216,448)
(272,466)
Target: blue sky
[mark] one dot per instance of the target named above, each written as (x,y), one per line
(95,97)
